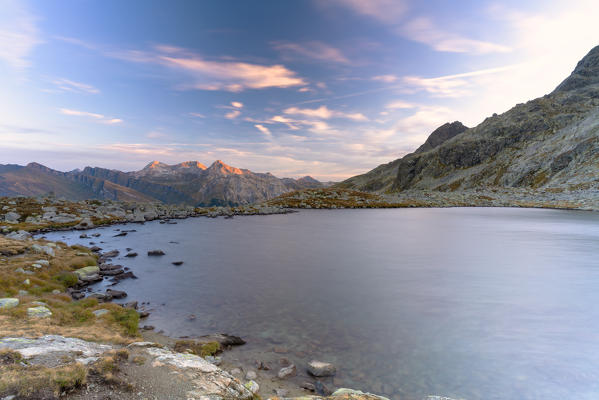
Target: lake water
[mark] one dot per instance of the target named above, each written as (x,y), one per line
(470,303)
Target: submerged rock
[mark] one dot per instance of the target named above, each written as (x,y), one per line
(287,372)
(319,368)
(322,389)
(133,254)
(224,339)
(156,253)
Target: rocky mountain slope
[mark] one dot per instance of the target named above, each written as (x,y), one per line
(190,183)
(550,143)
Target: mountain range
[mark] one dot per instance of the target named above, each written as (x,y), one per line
(190,183)
(549,143)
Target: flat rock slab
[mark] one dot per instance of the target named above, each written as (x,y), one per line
(208,380)
(50,349)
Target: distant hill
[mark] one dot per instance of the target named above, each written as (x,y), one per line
(189,183)
(548,143)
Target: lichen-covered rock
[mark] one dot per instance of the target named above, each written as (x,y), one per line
(44,347)
(39,312)
(9,302)
(86,272)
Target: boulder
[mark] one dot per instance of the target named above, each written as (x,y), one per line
(250,375)
(100,312)
(87,272)
(116,294)
(8,302)
(252,386)
(177,263)
(223,339)
(39,312)
(12,218)
(133,254)
(319,368)
(110,254)
(20,235)
(156,253)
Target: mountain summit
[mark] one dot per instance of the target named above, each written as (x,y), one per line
(189,182)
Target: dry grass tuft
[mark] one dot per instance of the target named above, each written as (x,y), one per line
(41,382)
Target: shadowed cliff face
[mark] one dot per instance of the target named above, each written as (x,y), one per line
(549,142)
(441,135)
(189,183)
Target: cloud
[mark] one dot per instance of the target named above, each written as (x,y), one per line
(18,34)
(237,104)
(232,114)
(72,86)
(263,129)
(385,78)
(231,76)
(156,135)
(398,104)
(455,85)
(97,117)
(387,11)
(323,112)
(197,115)
(423,30)
(314,50)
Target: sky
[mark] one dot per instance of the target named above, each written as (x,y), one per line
(329,88)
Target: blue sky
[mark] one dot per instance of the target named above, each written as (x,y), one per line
(323,88)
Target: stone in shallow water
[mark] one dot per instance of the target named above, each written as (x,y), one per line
(250,375)
(287,372)
(9,302)
(252,386)
(39,312)
(319,368)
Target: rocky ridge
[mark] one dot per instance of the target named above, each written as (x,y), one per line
(190,183)
(550,143)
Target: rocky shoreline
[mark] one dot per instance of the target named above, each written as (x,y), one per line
(60,340)
(586,199)
(63,338)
